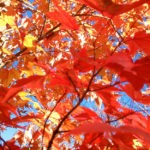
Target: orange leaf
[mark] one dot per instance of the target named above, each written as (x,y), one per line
(64,18)
(30,82)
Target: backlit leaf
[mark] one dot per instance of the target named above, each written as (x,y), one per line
(29,41)
(64,18)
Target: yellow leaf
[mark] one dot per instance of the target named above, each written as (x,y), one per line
(55,117)
(35,69)
(36,105)
(29,41)
(137,144)
(40,49)
(6,51)
(4,19)
(23,95)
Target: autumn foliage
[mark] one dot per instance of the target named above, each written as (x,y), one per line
(75,74)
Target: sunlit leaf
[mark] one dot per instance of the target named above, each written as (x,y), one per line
(29,41)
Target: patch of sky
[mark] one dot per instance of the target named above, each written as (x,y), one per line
(128,102)
(145,87)
(91,22)
(72,6)
(31,1)
(114,79)
(69,145)
(12,116)
(23,111)
(51,50)
(32,97)
(23,124)
(28,14)
(69,95)
(89,104)
(120,31)
(97,13)
(123,47)
(51,104)
(66,39)
(34,100)
(114,40)
(144,18)
(98,78)
(8,133)
(15,64)
(137,56)
(30,109)
(17,50)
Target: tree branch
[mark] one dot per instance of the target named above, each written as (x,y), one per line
(44,127)
(5,143)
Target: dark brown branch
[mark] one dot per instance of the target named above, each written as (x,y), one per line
(41,32)
(68,114)
(106,86)
(120,118)
(44,127)
(47,34)
(73,84)
(5,143)
(25,48)
(83,6)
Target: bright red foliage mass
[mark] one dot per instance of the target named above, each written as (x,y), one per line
(75,74)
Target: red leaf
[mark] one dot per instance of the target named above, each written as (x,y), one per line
(141,133)
(120,58)
(109,8)
(83,62)
(6,108)
(136,73)
(58,80)
(96,127)
(92,128)
(10,93)
(136,95)
(31,82)
(140,41)
(84,114)
(64,18)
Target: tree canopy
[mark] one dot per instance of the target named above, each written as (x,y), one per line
(75,74)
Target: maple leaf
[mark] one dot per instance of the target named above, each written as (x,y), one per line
(110,8)
(84,114)
(123,64)
(29,41)
(139,42)
(102,127)
(64,18)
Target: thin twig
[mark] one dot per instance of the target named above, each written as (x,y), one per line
(69,113)
(5,143)
(44,127)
